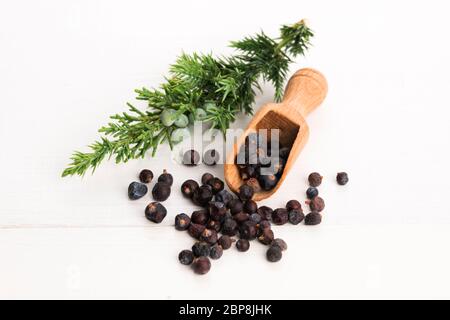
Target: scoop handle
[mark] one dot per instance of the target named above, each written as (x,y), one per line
(305,90)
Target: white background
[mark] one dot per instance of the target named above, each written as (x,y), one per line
(65,66)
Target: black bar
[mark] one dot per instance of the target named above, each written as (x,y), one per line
(226,309)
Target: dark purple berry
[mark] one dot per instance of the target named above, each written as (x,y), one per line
(264,224)
(214,225)
(265,212)
(296,216)
(217,210)
(209,236)
(166,178)
(216,252)
(191,158)
(274,254)
(228,215)
(248,172)
(342,178)
(223,196)
(182,222)
(241,217)
(312,192)
(316,204)
(195,230)
(313,218)
(211,157)
(250,206)
(225,242)
(216,184)
(246,192)
(188,187)
(315,179)
(161,191)
(235,206)
(248,230)
(293,205)
(186,257)
(202,195)
(206,177)
(255,217)
(201,249)
(229,227)
(201,265)
(243,245)
(146,176)
(266,236)
(136,190)
(268,182)
(280,243)
(200,216)
(254,183)
(280,216)
(155,212)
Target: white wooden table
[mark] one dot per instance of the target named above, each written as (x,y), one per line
(66,66)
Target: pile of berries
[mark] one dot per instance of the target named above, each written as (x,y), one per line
(224,219)
(258,167)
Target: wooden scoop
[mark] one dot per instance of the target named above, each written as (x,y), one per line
(304,92)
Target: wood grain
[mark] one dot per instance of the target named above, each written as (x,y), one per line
(304,92)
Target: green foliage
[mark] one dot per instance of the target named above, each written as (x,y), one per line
(296,38)
(227,85)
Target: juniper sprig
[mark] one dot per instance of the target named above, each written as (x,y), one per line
(200,87)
